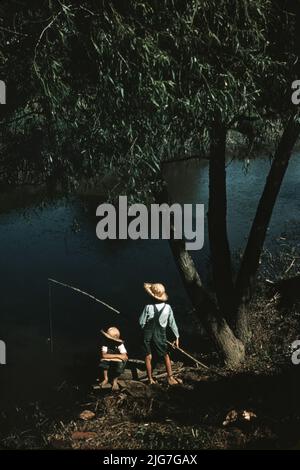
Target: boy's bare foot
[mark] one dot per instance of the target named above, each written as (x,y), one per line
(103,383)
(152,381)
(115,386)
(173,381)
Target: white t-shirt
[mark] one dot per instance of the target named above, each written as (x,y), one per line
(121,348)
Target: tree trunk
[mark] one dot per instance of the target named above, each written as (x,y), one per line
(217,222)
(231,349)
(251,257)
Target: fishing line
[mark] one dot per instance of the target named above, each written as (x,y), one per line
(50,317)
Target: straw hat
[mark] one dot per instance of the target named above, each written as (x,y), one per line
(157,291)
(112,333)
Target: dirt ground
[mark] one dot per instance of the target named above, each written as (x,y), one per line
(255,407)
(189,416)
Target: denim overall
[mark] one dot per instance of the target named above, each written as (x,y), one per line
(155,335)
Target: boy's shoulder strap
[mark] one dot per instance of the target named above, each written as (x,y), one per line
(163,307)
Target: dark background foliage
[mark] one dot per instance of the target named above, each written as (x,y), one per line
(120,86)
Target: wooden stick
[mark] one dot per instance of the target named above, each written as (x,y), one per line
(188,355)
(84,293)
(194,359)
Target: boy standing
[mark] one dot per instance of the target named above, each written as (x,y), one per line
(154,321)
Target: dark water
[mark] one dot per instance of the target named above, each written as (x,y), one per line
(244,187)
(59,241)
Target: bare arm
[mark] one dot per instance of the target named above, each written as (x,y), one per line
(123,357)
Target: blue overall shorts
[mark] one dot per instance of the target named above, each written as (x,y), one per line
(155,337)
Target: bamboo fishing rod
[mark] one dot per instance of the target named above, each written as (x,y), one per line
(76,289)
(84,293)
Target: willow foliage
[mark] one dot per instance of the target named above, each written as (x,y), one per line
(123,85)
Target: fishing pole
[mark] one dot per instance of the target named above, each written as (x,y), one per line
(84,293)
(188,355)
(76,289)
(193,358)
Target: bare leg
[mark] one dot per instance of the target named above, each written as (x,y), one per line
(115,385)
(171,379)
(148,360)
(105,378)
(117,371)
